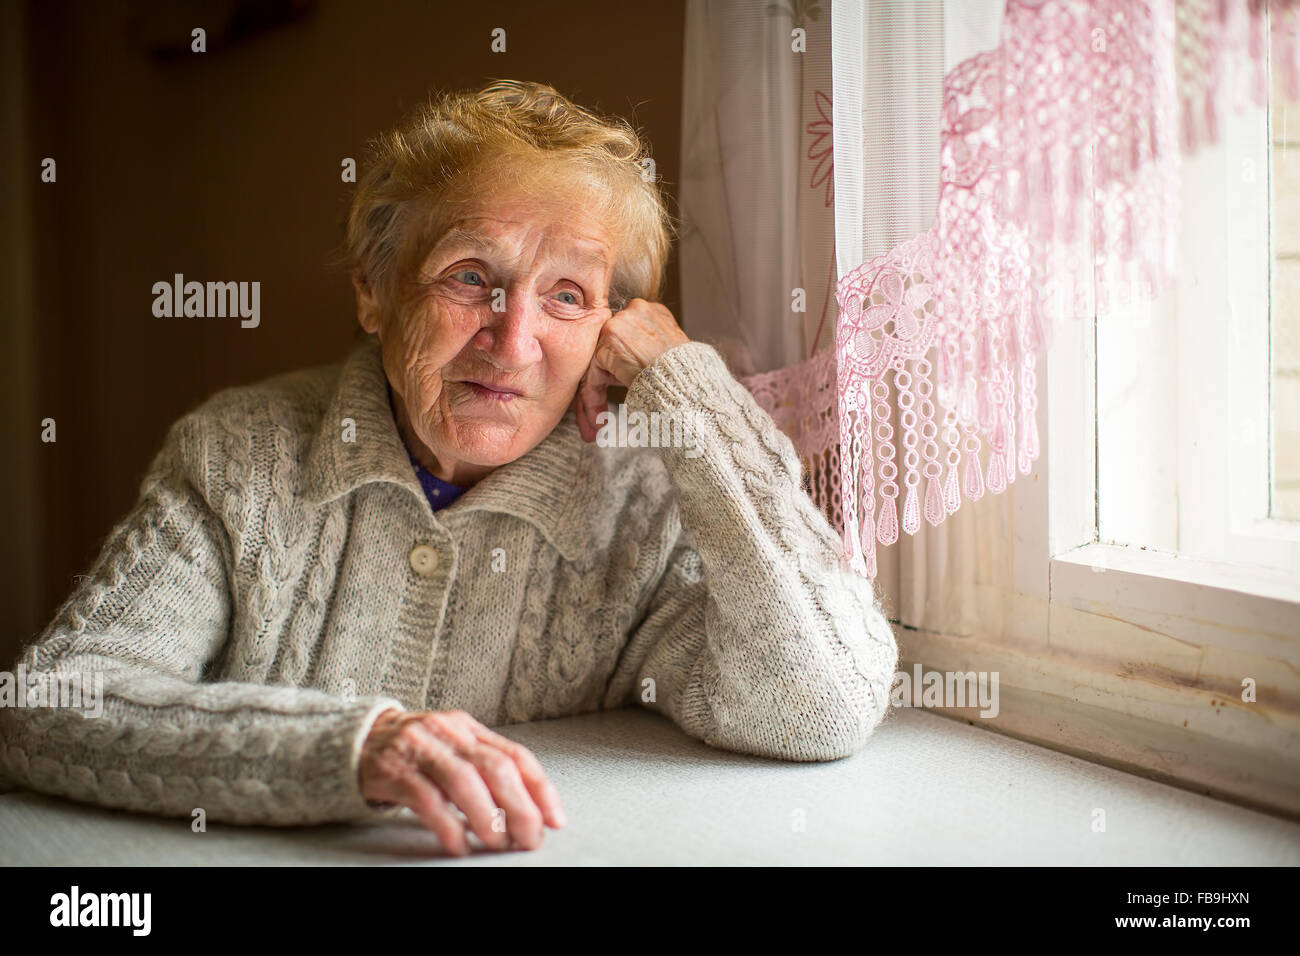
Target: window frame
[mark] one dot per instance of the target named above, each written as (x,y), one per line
(1128,656)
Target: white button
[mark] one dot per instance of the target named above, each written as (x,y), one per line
(424,560)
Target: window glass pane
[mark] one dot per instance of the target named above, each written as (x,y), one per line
(1284,307)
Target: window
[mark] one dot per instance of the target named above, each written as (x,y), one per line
(1146,596)
(1197,416)
(1284,311)
(1172,532)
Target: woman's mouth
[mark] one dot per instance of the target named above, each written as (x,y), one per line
(498,393)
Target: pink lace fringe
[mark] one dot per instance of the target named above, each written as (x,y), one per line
(944,330)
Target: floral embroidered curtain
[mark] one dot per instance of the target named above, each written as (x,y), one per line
(1057,174)
(1000,166)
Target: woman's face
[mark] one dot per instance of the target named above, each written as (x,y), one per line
(494,328)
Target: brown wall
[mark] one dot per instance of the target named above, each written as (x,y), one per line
(225,166)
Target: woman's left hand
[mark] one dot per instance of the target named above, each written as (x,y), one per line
(629,342)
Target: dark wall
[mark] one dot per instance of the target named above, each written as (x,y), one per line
(226,166)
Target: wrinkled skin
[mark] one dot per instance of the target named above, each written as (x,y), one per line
(555,344)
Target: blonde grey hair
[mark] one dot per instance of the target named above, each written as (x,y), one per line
(413,171)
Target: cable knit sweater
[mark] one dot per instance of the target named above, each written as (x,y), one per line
(277,586)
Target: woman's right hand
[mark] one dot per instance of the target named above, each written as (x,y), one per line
(437,761)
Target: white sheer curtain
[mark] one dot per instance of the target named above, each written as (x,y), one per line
(757,246)
(760,203)
(758,220)
(890,59)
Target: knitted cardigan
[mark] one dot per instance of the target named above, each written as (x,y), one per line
(282,580)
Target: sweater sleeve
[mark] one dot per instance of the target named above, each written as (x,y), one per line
(757,639)
(150,734)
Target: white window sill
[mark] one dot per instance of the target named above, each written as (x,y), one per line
(1203,603)
(1146,567)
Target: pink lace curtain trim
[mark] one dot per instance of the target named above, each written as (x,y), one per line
(1058,196)
(803,401)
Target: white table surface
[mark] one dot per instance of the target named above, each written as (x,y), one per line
(926,790)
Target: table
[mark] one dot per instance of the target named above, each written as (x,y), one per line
(926,790)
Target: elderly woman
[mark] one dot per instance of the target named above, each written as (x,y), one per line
(334,580)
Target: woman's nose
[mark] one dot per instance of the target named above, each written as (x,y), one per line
(510,329)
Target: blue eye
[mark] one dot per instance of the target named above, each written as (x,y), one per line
(473,275)
(571,300)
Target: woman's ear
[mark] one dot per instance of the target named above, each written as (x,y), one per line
(367,304)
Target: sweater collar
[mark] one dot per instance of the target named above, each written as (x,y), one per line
(543,487)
